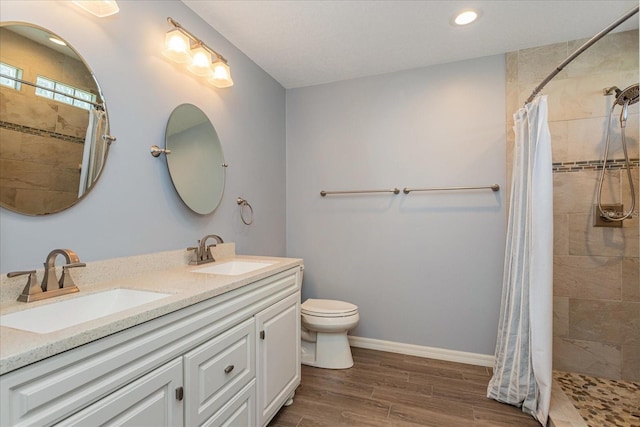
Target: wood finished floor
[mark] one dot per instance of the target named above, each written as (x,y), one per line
(388,389)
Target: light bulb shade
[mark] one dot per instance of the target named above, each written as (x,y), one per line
(176,46)
(99,8)
(221,76)
(200,62)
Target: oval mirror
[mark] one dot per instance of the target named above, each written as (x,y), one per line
(196,162)
(53,122)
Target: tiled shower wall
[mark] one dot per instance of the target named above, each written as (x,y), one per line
(596,270)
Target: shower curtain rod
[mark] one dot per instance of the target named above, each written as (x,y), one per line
(581,49)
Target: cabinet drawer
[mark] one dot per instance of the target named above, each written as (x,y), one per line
(238,412)
(218,369)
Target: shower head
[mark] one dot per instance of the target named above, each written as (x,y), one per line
(628,96)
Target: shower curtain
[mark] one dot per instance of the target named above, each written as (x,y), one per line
(94,149)
(522,367)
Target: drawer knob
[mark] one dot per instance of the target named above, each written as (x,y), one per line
(179,393)
(228,369)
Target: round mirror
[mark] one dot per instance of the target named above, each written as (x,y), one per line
(53,122)
(196,162)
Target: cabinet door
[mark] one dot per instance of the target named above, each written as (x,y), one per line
(149,401)
(278,355)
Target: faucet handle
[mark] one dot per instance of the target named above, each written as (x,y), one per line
(66,281)
(32,287)
(21,273)
(196,255)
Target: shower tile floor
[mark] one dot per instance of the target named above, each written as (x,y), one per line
(602,402)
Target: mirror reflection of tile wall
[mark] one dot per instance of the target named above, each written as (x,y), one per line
(42,140)
(596,270)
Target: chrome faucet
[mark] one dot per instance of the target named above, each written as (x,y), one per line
(202,252)
(51,286)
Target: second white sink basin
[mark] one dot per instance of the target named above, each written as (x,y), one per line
(71,312)
(233,268)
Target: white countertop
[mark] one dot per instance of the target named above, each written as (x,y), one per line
(20,348)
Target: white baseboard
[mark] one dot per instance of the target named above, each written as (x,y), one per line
(422,351)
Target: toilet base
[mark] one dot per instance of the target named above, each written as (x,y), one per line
(330,351)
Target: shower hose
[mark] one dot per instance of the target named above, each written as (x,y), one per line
(611,215)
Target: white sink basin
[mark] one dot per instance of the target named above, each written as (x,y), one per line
(233,268)
(71,312)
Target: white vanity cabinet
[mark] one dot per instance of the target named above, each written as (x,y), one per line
(233,359)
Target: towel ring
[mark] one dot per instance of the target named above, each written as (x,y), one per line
(243,203)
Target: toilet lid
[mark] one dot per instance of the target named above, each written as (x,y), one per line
(328,308)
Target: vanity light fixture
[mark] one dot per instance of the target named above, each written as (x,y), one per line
(183,47)
(99,8)
(465,17)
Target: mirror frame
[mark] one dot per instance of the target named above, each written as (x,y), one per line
(100,96)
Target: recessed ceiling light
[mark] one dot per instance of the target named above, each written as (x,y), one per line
(465,17)
(57,41)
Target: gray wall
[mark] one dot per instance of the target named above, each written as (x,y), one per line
(134,209)
(424,268)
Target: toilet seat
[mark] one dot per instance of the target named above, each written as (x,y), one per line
(328,308)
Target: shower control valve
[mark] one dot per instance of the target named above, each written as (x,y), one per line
(611,214)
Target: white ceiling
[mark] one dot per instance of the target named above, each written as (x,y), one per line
(304,43)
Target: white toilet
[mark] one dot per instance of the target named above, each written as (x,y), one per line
(325,324)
